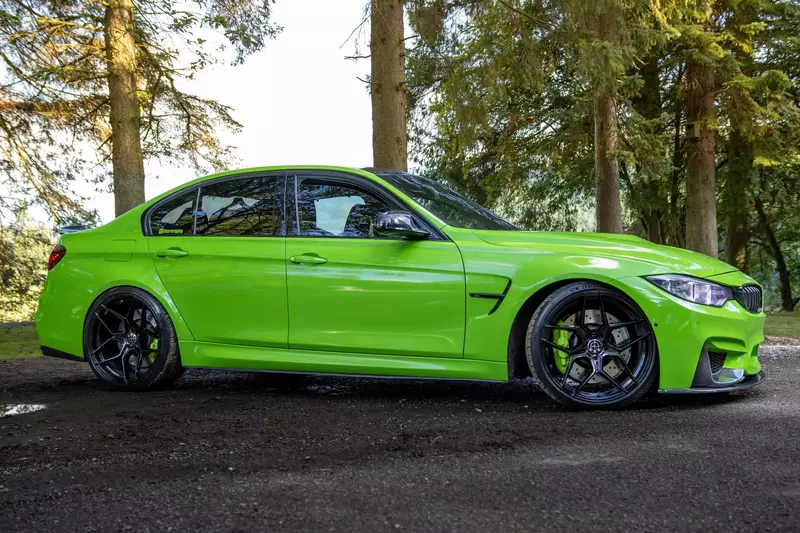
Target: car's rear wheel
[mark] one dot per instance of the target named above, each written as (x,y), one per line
(590,346)
(129,341)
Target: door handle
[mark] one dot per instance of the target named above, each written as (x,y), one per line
(172,252)
(308,259)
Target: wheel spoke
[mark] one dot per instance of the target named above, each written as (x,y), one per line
(113,338)
(139,365)
(124,365)
(624,365)
(625,346)
(603,317)
(120,354)
(583,383)
(582,317)
(613,381)
(557,346)
(564,327)
(122,318)
(130,308)
(104,324)
(618,325)
(567,373)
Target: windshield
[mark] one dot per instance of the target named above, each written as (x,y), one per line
(446,204)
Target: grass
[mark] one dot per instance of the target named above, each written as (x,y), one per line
(783,324)
(21,342)
(18,342)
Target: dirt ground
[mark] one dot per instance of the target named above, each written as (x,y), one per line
(225,451)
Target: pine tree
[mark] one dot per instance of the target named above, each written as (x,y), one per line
(82,74)
(388,86)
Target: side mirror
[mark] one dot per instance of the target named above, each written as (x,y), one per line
(398,224)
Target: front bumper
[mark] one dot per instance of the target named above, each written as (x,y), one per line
(745,383)
(686,333)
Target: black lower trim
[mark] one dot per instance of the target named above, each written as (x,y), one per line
(52,352)
(746,383)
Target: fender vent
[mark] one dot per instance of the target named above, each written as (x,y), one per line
(749,297)
(716,360)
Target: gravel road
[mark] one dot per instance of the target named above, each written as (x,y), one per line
(226,451)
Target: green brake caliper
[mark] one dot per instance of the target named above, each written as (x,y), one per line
(154,346)
(561,337)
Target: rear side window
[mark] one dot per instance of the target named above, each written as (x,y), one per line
(236,208)
(233,208)
(175,216)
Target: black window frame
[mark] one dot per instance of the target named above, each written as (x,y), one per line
(359,183)
(280,198)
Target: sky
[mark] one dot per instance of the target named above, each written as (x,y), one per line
(299,101)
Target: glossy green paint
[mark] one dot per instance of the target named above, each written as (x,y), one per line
(248,308)
(376,296)
(381,307)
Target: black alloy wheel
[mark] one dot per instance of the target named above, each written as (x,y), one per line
(129,341)
(590,346)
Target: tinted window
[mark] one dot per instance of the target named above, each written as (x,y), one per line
(174,217)
(329,209)
(446,204)
(245,207)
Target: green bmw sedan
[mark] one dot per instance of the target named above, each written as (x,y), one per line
(334,270)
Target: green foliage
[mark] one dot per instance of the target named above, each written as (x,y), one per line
(24,248)
(18,342)
(502,102)
(54,99)
(783,325)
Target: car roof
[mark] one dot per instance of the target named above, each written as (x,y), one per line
(368,173)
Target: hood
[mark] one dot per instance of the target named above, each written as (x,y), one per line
(621,248)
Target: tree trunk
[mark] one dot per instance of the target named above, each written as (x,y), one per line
(675,235)
(648,192)
(740,149)
(701,200)
(740,175)
(126,145)
(787,303)
(606,166)
(388,85)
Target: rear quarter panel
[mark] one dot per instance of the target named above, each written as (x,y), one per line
(97,260)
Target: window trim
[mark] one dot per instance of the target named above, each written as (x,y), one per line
(280,197)
(359,183)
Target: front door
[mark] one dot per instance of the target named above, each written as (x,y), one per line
(350,290)
(219,251)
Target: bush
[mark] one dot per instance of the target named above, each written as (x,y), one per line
(24,249)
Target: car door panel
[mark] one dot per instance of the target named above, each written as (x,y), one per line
(376,296)
(351,290)
(228,289)
(229,286)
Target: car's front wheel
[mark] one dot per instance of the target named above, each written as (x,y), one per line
(590,346)
(130,342)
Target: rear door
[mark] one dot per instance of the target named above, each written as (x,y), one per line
(219,250)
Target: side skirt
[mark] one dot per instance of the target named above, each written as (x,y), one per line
(229,356)
(52,352)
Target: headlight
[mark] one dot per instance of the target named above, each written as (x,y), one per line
(694,290)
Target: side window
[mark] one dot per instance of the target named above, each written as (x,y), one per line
(174,217)
(330,209)
(245,207)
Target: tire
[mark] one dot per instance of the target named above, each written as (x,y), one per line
(130,341)
(591,347)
